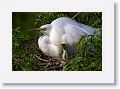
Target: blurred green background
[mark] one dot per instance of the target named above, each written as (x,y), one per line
(23,40)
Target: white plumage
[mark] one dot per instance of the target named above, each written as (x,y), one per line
(62,31)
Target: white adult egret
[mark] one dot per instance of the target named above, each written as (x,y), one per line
(62,31)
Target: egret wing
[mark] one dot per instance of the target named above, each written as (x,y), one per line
(74,31)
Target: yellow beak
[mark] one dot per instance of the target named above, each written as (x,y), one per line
(38,29)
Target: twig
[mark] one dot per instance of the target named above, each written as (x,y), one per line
(95,22)
(75,15)
(54,67)
(56,58)
(41,59)
(99,19)
(61,61)
(36,46)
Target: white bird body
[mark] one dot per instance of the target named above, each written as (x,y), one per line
(62,30)
(48,48)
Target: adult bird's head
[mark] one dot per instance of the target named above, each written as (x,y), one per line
(46,29)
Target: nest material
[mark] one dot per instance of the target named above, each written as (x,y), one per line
(49,63)
(44,62)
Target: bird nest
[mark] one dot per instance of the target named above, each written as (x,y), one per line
(49,63)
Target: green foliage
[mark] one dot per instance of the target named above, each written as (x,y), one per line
(89,55)
(90,45)
(20,54)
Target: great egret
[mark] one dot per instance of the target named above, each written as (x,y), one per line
(61,35)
